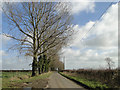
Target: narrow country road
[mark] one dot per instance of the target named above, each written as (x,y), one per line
(58,81)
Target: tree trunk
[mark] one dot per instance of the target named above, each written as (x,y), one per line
(47,68)
(39,64)
(34,66)
(39,71)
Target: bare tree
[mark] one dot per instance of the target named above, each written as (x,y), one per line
(38,27)
(110,63)
(51,55)
(56,63)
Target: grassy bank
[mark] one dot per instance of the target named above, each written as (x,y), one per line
(105,77)
(83,81)
(7,75)
(0,83)
(20,79)
(0,80)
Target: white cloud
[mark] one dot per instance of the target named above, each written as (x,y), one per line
(81,31)
(4,40)
(12,61)
(100,42)
(2,52)
(0,7)
(106,30)
(78,7)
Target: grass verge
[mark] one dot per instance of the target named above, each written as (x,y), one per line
(86,83)
(10,81)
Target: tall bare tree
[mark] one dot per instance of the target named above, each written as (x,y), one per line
(56,63)
(38,26)
(110,63)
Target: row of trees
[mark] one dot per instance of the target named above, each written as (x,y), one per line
(40,30)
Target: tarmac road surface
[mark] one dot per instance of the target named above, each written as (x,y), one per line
(58,81)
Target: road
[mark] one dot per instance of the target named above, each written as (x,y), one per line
(58,81)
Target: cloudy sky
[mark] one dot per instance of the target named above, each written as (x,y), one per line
(89,46)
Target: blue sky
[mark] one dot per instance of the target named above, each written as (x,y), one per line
(82,17)
(85,54)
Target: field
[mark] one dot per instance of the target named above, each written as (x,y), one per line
(95,78)
(23,79)
(0,80)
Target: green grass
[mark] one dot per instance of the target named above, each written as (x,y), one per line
(90,84)
(6,80)
(6,77)
(0,80)
(13,74)
(0,83)
(42,76)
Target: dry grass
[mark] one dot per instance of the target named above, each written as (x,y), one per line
(19,80)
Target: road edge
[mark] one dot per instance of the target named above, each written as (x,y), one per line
(77,82)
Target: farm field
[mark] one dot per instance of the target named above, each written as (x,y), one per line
(95,78)
(23,79)
(0,83)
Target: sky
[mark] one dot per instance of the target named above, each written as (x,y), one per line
(86,49)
